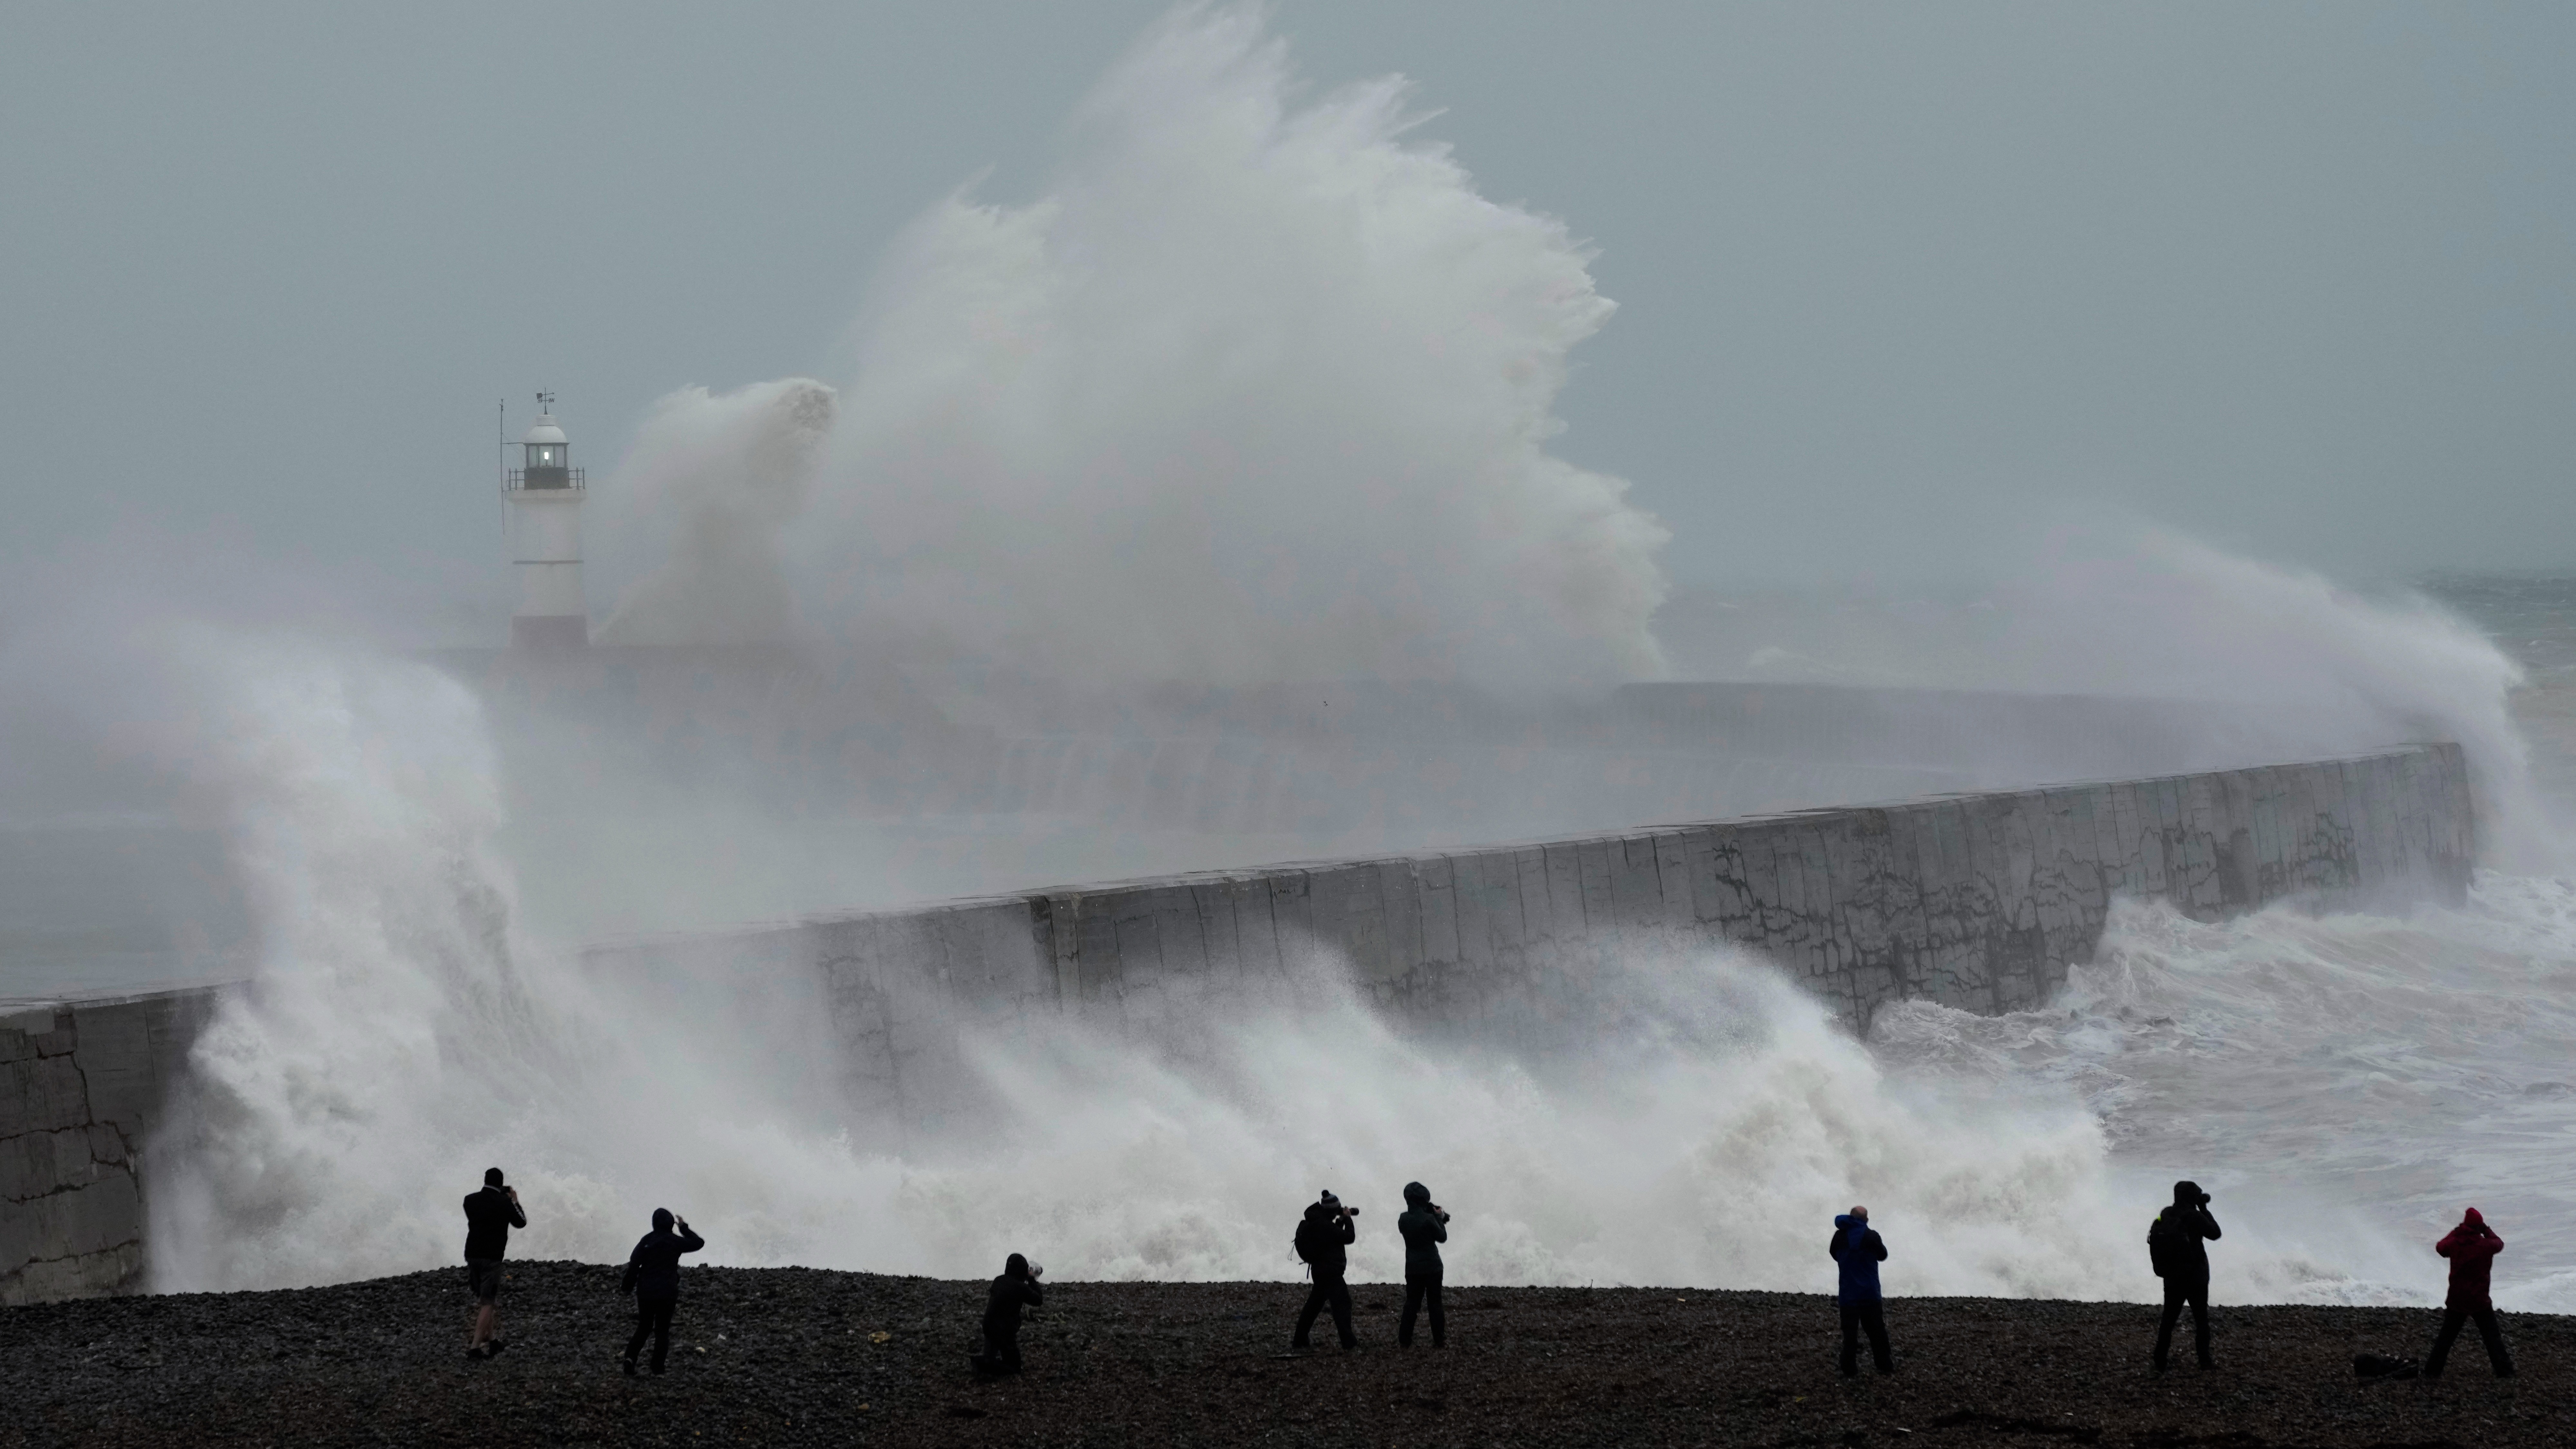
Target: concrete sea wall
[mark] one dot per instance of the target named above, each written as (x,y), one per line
(82,1085)
(1975,901)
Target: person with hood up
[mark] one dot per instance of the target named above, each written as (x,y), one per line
(1322,1238)
(1425,1226)
(489,1216)
(2174,1249)
(653,1276)
(1857,1248)
(1017,1285)
(2471,1247)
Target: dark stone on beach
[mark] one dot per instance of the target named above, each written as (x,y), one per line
(798,1356)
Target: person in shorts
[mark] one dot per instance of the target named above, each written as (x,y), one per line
(489,1216)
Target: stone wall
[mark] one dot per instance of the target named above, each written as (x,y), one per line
(1976,901)
(81,1086)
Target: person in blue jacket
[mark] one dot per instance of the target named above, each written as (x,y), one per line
(1857,1248)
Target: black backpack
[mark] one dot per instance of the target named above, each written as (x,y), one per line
(2161,1248)
(1304,1242)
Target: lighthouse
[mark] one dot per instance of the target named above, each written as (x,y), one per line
(544,495)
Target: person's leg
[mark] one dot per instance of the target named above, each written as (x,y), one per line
(2493,1332)
(1342,1313)
(2165,1325)
(1008,1350)
(1873,1317)
(483,1275)
(1439,1327)
(1315,1297)
(2200,1323)
(1850,1361)
(662,1330)
(1412,1307)
(643,1330)
(2452,1318)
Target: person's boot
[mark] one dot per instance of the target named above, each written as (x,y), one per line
(630,1367)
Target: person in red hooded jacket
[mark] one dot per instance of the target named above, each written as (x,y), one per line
(2471,1247)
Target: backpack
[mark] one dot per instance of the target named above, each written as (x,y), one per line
(1304,1242)
(2160,1249)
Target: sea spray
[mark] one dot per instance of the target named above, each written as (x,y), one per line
(401,1036)
(2349,1082)
(1258,388)
(1689,1119)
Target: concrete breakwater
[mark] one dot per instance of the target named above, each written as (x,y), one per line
(1974,901)
(1977,901)
(82,1086)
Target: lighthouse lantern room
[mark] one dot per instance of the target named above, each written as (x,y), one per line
(544,495)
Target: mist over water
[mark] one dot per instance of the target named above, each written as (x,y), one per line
(1259,392)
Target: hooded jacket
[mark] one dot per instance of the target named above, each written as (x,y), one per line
(2471,1247)
(1321,1238)
(1856,1246)
(1423,1232)
(656,1258)
(2175,1239)
(1002,1301)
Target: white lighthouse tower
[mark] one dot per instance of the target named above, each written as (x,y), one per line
(545,538)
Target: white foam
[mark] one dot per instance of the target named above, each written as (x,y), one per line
(1258,388)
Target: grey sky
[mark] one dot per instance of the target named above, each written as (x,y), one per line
(2295,278)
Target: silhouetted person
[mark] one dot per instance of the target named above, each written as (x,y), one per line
(1321,1240)
(2471,1247)
(1017,1285)
(1857,1248)
(1425,1227)
(653,1270)
(2174,1247)
(489,1216)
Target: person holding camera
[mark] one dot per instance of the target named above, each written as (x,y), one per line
(1322,1241)
(1857,1251)
(2174,1248)
(653,1276)
(489,1216)
(2471,1247)
(1017,1285)
(1425,1226)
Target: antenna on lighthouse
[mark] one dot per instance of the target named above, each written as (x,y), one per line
(545,495)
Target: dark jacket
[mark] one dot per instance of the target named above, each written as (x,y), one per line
(2471,1247)
(1002,1302)
(489,1216)
(2174,1243)
(1856,1246)
(1321,1239)
(1424,1231)
(1423,1234)
(656,1261)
